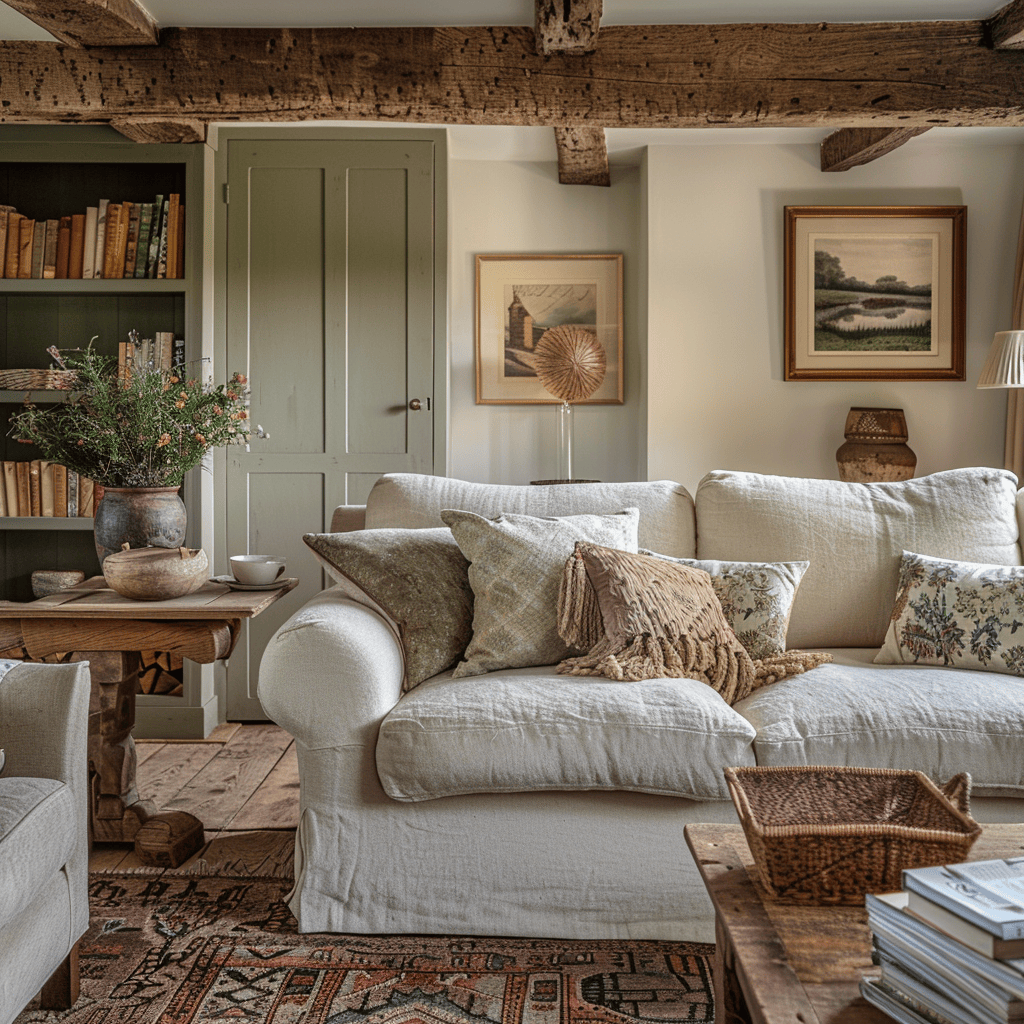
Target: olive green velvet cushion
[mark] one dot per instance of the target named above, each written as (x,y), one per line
(417,578)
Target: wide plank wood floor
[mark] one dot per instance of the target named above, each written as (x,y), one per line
(240,779)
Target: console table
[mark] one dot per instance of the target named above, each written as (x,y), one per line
(780,963)
(93,623)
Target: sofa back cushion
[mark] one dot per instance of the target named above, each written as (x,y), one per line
(854,535)
(414,501)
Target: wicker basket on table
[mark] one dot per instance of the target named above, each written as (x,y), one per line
(37,380)
(830,835)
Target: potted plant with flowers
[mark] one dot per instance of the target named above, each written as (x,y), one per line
(136,434)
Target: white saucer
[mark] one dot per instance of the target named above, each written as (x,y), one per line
(230,581)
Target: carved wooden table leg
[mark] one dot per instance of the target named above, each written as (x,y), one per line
(117,811)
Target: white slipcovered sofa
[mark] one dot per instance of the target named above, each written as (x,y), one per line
(44,838)
(524,802)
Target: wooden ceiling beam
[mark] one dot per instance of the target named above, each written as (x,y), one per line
(582,156)
(914,74)
(566,26)
(91,22)
(851,147)
(1006,26)
(160,129)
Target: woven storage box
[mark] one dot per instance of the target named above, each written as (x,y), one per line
(37,380)
(830,835)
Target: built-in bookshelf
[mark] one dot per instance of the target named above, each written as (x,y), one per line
(147,251)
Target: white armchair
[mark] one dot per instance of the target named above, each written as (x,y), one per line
(44,838)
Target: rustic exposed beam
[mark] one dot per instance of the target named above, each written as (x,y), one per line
(905,75)
(566,26)
(582,156)
(851,147)
(91,22)
(160,129)
(1006,26)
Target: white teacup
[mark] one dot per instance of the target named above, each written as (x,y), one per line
(256,570)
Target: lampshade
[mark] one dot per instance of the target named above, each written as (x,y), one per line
(1004,367)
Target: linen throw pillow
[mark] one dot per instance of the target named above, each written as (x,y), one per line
(419,579)
(957,614)
(756,597)
(647,618)
(515,570)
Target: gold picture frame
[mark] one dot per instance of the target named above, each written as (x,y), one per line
(518,297)
(875,292)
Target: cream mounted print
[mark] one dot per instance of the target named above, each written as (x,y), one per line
(521,300)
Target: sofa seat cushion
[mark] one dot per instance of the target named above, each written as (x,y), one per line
(935,720)
(38,831)
(532,729)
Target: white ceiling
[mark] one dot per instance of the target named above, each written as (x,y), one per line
(319,13)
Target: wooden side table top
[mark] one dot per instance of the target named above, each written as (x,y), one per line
(94,599)
(792,964)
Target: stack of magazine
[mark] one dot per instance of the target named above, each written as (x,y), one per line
(951,945)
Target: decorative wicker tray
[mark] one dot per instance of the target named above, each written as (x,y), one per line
(37,380)
(830,835)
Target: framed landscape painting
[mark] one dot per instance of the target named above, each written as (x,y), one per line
(875,292)
(519,298)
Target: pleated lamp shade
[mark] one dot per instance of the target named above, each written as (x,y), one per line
(1004,367)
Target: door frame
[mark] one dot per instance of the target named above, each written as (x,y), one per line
(217,303)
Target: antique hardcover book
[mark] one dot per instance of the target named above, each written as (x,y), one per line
(38,244)
(35,504)
(46,487)
(101,237)
(11,488)
(60,490)
(132,244)
(24,488)
(86,492)
(174,201)
(26,232)
(76,256)
(63,248)
(145,225)
(153,260)
(50,250)
(72,500)
(13,241)
(89,243)
(5,212)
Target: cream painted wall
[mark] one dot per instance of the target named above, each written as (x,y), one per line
(509,207)
(714,247)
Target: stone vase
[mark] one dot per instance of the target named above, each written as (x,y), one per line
(141,516)
(876,447)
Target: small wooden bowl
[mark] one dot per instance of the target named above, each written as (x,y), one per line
(155,574)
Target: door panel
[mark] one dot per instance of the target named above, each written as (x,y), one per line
(330,313)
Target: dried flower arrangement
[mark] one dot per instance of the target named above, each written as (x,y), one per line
(146,429)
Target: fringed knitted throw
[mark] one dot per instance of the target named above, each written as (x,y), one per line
(640,617)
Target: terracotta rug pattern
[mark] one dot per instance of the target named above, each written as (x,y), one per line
(180,949)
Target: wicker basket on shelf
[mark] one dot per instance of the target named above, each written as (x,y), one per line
(37,380)
(829,835)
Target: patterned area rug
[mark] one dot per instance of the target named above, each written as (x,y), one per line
(180,949)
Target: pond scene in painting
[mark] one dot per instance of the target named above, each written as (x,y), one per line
(532,309)
(873,293)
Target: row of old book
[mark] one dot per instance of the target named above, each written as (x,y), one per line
(110,240)
(41,488)
(951,945)
(162,352)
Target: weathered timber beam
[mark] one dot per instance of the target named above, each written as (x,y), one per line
(91,22)
(851,147)
(914,74)
(566,26)
(1006,26)
(160,129)
(582,156)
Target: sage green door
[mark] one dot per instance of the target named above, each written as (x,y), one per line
(330,313)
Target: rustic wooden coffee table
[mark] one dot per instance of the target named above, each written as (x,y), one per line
(779,963)
(95,624)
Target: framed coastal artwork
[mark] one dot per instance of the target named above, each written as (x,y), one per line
(520,297)
(875,292)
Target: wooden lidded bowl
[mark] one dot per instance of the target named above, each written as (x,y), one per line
(155,574)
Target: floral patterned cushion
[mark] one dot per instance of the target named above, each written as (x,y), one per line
(756,597)
(957,614)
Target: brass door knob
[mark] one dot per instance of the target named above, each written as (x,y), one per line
(415,405)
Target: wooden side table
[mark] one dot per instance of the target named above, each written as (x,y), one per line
(108,631)
(778,963)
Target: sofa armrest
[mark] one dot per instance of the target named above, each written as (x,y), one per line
(331,672)
(44,722)
(348,518)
